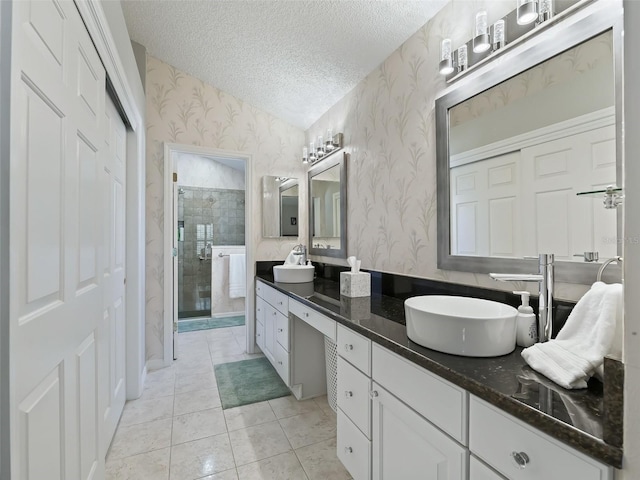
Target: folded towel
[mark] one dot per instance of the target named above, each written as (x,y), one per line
(237,275)
(593,330)
(292,258)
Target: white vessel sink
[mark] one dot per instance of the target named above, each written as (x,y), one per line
(470,327)
(293,273)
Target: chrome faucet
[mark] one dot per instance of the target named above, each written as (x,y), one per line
(545,299)
(301,251)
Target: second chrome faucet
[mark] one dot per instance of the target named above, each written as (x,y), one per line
(545,280)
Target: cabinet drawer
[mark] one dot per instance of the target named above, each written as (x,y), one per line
(318,321)
(354,449)
(439,401)
(279,300)
(353,395)
(282,331)
(260,335)
(355,348)
(260,289)
(479,471)
(496,437)
(282,363)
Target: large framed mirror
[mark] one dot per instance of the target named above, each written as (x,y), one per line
(328,207)
(519,141)
(280,200)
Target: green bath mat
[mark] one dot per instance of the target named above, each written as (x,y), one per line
(209,323)
(248,381)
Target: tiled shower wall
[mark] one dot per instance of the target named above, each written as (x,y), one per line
(210,215)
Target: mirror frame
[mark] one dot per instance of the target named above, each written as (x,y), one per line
(583,25)
(316,169)
(262,206)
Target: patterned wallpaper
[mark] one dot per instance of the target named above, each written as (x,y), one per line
(183,109)
(389,124)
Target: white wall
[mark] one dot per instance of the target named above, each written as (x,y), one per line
(631,246)
(200,171)
(5,74)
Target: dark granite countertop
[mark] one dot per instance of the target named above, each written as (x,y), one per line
(575,417)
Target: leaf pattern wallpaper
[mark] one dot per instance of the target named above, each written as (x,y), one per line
(389,124)
(388,120)
(182,109)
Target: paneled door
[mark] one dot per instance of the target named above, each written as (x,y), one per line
(56,242)
(111,338)
(407,446)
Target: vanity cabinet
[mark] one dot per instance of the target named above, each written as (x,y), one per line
(272,328)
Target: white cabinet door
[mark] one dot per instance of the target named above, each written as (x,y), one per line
(406,446)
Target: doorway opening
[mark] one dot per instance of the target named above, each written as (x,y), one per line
(210,240)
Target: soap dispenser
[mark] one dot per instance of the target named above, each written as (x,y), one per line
(526,325)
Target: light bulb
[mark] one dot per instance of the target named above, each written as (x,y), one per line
(481,39)
(546,9)
(462,58)
(329,143)
(527,11)
(498,35)
(446,65)
(305,154)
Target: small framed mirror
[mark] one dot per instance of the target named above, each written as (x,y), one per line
(328,207)
(280,200)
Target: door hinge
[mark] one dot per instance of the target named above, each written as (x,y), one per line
(175,177)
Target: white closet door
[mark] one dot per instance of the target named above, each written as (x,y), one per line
(111,339)
(57,115)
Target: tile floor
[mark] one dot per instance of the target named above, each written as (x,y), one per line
(177,430)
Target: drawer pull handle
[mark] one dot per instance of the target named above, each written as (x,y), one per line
(279,303)
(374,393)
(348,347)
(274,314)
(280,362)
(521,459)
(306,314)
(348,450)
(348,394)
(280,330)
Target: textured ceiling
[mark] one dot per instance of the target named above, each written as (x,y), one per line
(292,58)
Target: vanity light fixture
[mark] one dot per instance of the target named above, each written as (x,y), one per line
(527,11)
(446,64)
(322,147)
(462,58)
(546,10)
(481,39)
(498,35)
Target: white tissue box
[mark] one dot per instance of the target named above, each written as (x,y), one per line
(355,284)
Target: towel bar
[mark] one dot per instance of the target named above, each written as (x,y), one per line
(221,255)
(605,265)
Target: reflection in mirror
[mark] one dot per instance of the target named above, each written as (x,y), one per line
(519,151)
(327,207)
(279,207)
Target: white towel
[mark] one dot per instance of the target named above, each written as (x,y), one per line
(593,330)
(237,275)
(292,258)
